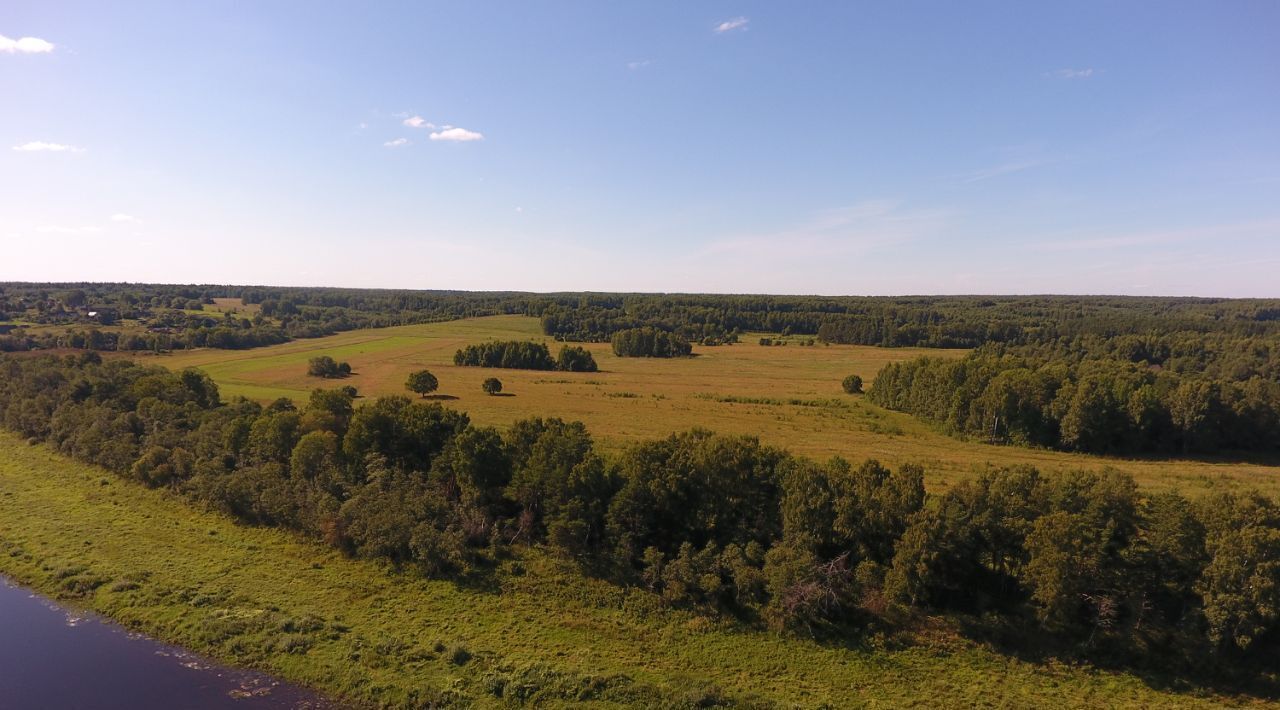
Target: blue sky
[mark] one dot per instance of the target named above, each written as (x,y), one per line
(833,148)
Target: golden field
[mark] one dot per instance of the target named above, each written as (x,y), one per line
(788,396)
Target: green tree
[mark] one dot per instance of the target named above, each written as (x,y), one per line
(325,366)
(491,386)
(852,384)
(422,382)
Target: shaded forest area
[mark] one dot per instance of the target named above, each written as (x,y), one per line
(1081,562)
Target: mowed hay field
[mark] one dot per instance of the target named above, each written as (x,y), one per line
(788,396)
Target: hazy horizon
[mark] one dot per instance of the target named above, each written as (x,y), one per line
(712,148)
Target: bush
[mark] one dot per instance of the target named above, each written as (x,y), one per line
(327,367)
(852,384)
(491,386)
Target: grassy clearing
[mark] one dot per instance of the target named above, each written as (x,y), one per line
(788,396)
(536,631)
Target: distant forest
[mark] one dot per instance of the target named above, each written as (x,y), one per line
(1102,374)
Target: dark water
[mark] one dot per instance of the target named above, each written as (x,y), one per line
(56,658)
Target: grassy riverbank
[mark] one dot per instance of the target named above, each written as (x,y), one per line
(536,631)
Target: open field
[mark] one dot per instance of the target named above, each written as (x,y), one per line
(265,598)
(788,396)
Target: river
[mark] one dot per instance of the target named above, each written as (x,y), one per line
(59,658)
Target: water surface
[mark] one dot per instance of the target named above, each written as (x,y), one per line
(58,658)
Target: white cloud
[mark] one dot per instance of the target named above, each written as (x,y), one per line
(418,122)
(396,143)
(25,45)
(42,146)
(638,65)
(450,133)
(737,23)
(1075,73)
(125,218)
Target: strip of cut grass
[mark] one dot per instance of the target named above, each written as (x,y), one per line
(538,631)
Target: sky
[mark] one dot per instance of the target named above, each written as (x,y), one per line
(803,148)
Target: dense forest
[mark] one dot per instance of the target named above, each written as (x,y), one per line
(1181,392)
(722,525)
(171,316)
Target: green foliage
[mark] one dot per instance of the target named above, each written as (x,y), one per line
(325,366)
(422,382)
(716,524)
(573,358)
(512,354)
(1080,396)
(491,385)
(852,384)
(649,342)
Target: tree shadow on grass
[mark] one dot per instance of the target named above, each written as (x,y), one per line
(502,394)
(439,397)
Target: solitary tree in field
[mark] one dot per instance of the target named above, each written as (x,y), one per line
(491,386)
(422,382)
(852,384)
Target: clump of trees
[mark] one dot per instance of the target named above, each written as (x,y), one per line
(852,384)
(325,366)
(491,385)
(717,524)
(1092,404)
(422,382)
(574,358)
(649,342)
(524,355)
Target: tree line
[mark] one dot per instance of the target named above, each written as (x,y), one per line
(718,524)
(649,342)
(525,355)
(708,319)
(1118,395)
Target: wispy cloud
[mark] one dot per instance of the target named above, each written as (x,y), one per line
(125,218)
(418,122)
(396,143)
(453,133)
(1075,73)
(638,64)
(25,45)
(42,146)
(737,23)
(1002,169)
